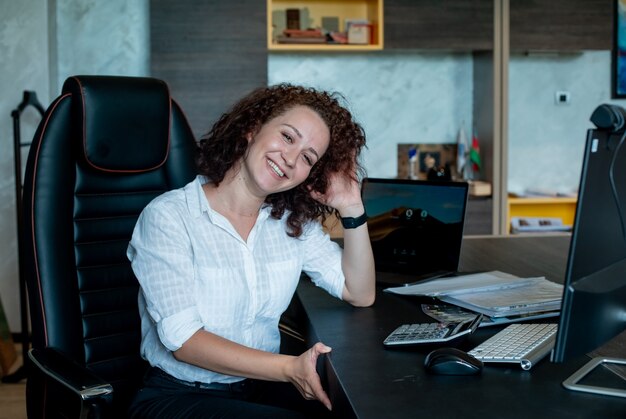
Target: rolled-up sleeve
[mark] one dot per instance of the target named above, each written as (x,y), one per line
(162,260)
(322,260)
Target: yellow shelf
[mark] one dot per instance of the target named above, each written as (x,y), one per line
(324,47)
(371,10)
(563,208)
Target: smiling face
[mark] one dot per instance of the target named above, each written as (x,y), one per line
(281,154)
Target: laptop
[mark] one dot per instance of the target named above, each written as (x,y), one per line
(415,227)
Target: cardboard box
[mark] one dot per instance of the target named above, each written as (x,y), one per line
(359,33)
(479,188)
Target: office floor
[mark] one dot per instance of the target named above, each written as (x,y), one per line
(13,396)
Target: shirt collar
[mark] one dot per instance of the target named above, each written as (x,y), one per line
(198,204)
(194,195)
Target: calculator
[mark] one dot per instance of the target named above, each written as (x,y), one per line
(428,333)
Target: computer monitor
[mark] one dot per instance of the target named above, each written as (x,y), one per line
(594,298)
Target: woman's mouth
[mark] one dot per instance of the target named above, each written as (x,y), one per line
(275,168)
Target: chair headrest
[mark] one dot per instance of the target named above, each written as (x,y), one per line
(125,121)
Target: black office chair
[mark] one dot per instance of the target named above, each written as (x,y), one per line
(104,149)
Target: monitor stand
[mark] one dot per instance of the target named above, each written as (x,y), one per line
(572,383)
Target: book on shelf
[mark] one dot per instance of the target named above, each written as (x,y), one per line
(304,40)
(543,193)
(303,33)
(538,224)
(293,18)
(301,36)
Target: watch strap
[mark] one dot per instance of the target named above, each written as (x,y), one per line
(353,222)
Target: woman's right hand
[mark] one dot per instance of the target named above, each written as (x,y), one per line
(303,375)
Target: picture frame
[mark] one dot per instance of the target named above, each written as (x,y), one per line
(438,155)
(618,70)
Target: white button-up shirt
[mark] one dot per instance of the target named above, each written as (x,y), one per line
(196,272)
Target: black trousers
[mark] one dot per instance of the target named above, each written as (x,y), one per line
(163,396)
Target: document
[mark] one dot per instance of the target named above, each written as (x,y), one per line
(452,313)
(494,294)
(484,281)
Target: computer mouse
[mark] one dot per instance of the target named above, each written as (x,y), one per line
(452,361)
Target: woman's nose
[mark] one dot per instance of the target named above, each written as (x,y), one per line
(289,156)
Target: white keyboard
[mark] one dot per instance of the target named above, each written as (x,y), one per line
(524,344)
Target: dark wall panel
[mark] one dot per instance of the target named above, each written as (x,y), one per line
(561,25)
(464,25)
(210,52)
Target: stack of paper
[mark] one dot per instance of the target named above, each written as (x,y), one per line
(494,294)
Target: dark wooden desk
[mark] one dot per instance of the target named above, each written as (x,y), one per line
(366,380)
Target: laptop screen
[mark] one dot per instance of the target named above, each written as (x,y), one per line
(415,226)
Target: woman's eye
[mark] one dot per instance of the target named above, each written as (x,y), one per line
(287,138)
(308,160)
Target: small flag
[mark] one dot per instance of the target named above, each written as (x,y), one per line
(462,152)
(474,156)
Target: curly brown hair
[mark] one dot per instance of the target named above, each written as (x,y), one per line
(226,143)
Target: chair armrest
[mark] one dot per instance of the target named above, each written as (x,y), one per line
(64,370)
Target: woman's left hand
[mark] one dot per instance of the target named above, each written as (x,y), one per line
(343,194)
(303,375)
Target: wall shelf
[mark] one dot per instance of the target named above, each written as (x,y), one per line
(560,207)
(312,11)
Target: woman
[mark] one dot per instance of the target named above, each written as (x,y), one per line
(219,260)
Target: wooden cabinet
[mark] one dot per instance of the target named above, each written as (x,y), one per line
(311,13)
(465,25)
(561,25)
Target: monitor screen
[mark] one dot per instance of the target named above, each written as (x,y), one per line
(594,297)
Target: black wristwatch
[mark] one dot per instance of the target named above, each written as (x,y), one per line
(352,222)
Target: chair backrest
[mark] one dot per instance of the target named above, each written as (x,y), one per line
(104,149)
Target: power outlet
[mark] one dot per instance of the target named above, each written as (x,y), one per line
(562,97)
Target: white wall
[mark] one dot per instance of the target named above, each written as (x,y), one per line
(109,37)
(546,140)
(406,97)
(23,66)
(42,42)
